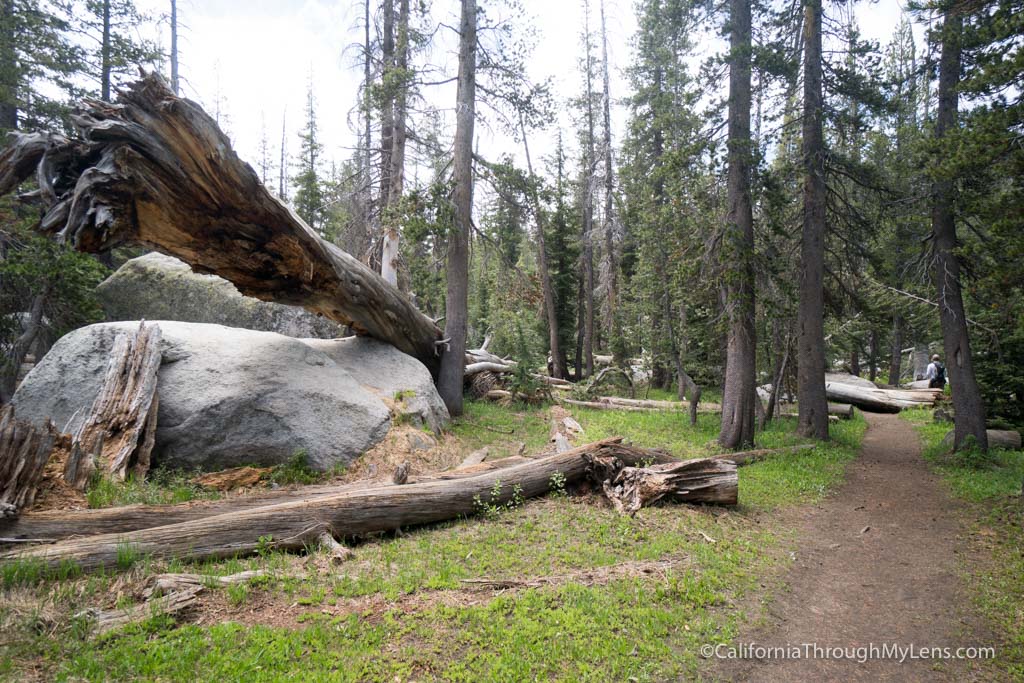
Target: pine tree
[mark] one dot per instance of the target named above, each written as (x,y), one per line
(449,382)
(737,252)
(811,401)
(309,200)
(112,26)
(35,48)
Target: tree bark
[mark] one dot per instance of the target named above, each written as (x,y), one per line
(59,524)
(708,480)
(123,416)
(174,49)
(24,452)
(294,524)
(396,175)
(155,170)
(896,355)
(968,405)
(387,111)
(559,368)
(589,162)
(777,379)
(873,355)
(811,401)
(19,349)
(449,383)
(105,53)
(614,327)
(879,400)
(8,68)
(738,394)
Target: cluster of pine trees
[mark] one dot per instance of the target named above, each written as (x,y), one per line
(840,204)
(802,200)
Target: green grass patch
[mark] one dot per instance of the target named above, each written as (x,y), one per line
(502,428)
(990,486)
(295,471)
(643,628)
(159,487)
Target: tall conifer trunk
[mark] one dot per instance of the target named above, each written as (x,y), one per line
(968,406)
(449,381)
(811,401)
(738,395)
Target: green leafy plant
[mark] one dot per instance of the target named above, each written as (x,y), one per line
(295,471)
(265,546)
(127,554)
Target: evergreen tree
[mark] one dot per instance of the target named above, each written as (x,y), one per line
(114,50)
(309,195)
(35,49)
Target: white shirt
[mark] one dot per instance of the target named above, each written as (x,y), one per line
(932,372)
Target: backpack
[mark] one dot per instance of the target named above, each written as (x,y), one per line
(940,374)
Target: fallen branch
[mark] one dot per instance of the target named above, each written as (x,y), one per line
(168,594)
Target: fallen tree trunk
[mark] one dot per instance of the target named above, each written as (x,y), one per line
(294,524)
(621,404)
(645,403)
(57,525)
(997,438)
(840,410)
(706,480)
(741,458)
(880,400)
(155,170)
(24,452)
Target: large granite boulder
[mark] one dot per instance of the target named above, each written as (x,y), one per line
(399,379)
(159,287)
(230,396)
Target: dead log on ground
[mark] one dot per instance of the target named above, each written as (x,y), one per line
(24,451)
(154,170)
(842,411)
(167,594)
(1008,439)
(741,458)
(55,525)
(880,400)
(604,404)
(123,416)
(705,480)
(294,524)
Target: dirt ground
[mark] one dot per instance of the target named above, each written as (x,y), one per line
(876,563)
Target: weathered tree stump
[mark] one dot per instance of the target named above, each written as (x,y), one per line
(123,416)
(24,452)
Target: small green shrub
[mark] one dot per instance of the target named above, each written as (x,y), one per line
(127,554)
(238,593)
(22,571)
(295,471)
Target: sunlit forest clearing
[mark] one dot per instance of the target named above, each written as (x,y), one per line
(641,341)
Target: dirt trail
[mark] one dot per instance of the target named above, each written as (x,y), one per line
(875,563)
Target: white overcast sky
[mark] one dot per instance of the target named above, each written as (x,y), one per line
(257,56)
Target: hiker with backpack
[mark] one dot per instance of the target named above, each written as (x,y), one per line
(936,374)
